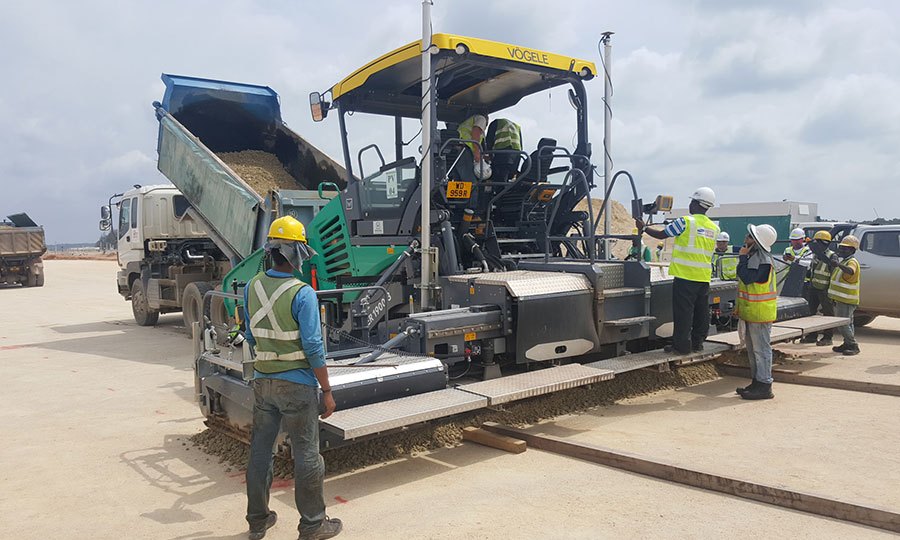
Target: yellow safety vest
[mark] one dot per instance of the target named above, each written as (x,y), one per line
(803,252)
(692,254)
(841,290)
(821,275)
(272,324)
(758,302)
(465,132)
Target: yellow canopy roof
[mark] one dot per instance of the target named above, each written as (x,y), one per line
(472,75)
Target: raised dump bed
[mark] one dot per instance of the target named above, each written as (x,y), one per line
(226,148)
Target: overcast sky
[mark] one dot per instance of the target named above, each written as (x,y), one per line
(791,99)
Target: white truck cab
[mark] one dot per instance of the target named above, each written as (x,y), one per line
(166,259)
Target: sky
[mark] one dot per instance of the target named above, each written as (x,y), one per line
(761,100)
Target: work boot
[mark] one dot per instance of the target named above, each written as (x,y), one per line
(328,529)
(824,342)
(749,387)
(762,391)
(672,349)
(840,348)
(258,532)
(852,350)
(809,338)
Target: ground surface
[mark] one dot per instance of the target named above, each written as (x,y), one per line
(97,412)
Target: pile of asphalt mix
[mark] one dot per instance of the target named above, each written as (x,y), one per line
(261,170)
(448,432)
(740,358)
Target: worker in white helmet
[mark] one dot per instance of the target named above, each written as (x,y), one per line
(691,266)
(724,262)
(798,252)
(757,307)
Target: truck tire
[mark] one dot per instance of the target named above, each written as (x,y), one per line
(219,316)
(862,319)
(39,280)
(30,279)
(144,315)
(192,308)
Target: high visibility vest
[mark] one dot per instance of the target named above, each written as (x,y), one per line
(644,256)
(507,135)
(758,302)
(277,335)
(821,274)
(465,132)
(798,254)
(692,254)
(840,290)
(729,265)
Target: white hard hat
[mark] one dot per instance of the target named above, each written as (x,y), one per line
(764,235)
(705,196)
(798,234)
(723,237)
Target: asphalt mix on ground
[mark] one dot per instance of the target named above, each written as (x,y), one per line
(98,413)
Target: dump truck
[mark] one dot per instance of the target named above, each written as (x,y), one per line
(21,247)
(168,253)
(441,290)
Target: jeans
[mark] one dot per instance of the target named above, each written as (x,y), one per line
(296,406)
(846,310)
(819,297)
(759,351)
(690,314)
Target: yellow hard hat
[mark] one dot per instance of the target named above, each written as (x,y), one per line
(850,241)
(288,228)
(634,230)
(822,235)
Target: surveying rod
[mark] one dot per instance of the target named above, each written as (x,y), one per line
(607,142)
(427,121)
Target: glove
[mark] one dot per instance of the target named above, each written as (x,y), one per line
(482,170)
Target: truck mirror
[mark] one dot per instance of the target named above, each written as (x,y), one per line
(104,223)
(318,107)
(104,212)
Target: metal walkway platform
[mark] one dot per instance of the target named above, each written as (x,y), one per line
(536,383)
(647,359)
(786,330)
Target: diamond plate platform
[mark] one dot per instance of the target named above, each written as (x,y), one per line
(635,361)
(524,283)
(813,323)
(396,413)
(778,334)
(536,383)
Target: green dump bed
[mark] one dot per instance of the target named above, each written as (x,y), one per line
(203,123)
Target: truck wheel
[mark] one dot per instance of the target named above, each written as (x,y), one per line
(219,317)
(30,279)
(144,315)
(39,280)
(192,309)
(862,320)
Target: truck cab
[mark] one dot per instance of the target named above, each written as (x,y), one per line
(165,256)
(879,261)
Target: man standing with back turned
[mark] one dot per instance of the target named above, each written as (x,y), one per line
(691,266)
(282,316)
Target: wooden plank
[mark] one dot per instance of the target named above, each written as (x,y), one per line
(494,440)
(793,377)
(881,518)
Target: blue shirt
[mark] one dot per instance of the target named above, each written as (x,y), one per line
(305,308)
(676,227)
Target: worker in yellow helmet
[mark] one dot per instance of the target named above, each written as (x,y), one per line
(817,293)
(282,314)
(639,254)
(843,290)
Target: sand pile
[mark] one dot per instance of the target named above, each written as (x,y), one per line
(620,222)
(261,170)
(449,432)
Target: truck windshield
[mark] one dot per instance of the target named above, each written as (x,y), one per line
(385,192)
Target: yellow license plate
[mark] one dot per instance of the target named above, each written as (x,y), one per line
(459,190)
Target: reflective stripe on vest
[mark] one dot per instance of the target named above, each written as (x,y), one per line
(821,275)
(804,252)
(692,254)
(272,324)
(507,135)
(841,291)
(758,302)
